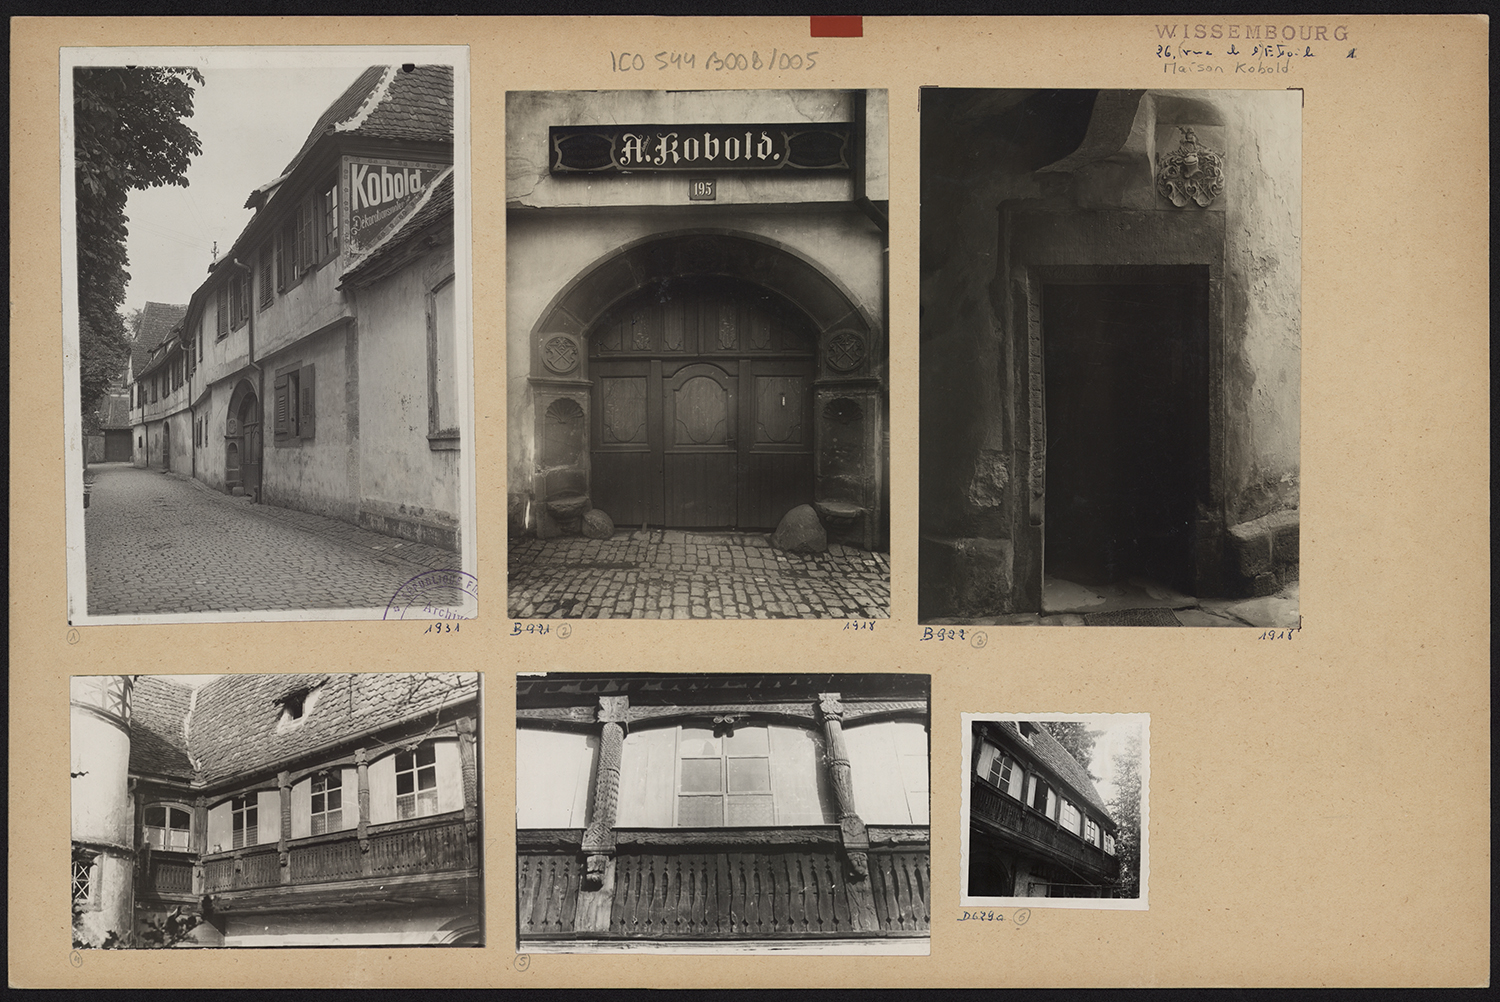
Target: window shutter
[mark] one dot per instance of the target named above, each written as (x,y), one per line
(281,405)
(305,255)
(307,403)
(279,243)
(223,312)
(265,277)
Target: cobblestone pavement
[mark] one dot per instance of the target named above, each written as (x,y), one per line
(161,543)
(665,574)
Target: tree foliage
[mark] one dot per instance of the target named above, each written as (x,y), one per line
(1126,809)
(1075,736)
(129,134)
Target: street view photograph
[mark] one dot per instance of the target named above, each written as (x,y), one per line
(268,335)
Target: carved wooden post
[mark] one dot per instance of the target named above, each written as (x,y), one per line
(851,827)
(597,893)
(362,799)
(466,760)
(284,782)
(200,841)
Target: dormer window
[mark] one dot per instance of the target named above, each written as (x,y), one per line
(1028,730)
(295,706)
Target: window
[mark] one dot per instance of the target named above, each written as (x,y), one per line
(83,876)
(1027,729)
(329,206)
(243,811)
(295,396)
(1004,773)
(222,316)
(416,783)
(1091,831)
(168,827)
(306,236)
(1109,843)
(283,251)
(327,802)
(267,277)
(1042,798)
(1071,819)
(442,373)
(154,387)
(200,346)
(239,300)
(724,780)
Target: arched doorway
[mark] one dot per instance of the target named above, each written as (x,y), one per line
(702,404)
(242,448)
(707,363)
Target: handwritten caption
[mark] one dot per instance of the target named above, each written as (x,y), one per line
(563,630)
(752,61)
(943,634)
(436,628)
(1020,917)
(860,624)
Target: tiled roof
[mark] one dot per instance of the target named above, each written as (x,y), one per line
(234,728)
(157,321)
(1055,757)
(411,105)
(114,410)
(158,707)
(437,206)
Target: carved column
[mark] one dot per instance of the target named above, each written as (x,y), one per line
(596,895)
(362,799)
(284,782)
(467,763)
(200,841)
(851,827)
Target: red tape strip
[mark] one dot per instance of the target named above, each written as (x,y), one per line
(837,27)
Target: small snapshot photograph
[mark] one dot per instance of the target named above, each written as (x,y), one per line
(1055,810)
(723,813)
(276,810)
(1110,357)
(697,393)
(267,343)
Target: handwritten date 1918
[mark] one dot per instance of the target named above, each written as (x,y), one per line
(857,624)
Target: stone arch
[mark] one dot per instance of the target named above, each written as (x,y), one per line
(706,252)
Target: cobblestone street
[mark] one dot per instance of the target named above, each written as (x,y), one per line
(159,543)
(665,574)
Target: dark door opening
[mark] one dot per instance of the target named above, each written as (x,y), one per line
(702,409)
(250,459)
(1127,430)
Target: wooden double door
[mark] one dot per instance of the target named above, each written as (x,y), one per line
(702,409)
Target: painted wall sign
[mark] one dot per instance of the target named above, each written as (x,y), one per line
(376,193)
(625,149)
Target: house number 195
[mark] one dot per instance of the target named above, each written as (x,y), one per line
(702,190)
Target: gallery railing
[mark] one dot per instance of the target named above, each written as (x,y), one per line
(729,884)
(426,845)
(987,802)
(167,876)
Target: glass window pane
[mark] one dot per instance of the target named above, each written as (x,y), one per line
(427,803)
(335,820)
(701,775)
(698,742)
(180,819)
(751,811)
(335,799)
(406,806)
(426,755)
(317,803)
(749,775)
(700,812)
(427,778)
(747,741)
(156,816)
(406,782)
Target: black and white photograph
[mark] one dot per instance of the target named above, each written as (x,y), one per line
(722,813)
(1055,810)
(304,809)
(1111,357)
(697,399)
(268,360)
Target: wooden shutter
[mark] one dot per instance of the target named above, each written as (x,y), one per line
(306,403)
(223,312)
(305,255)
(279,242)
(266,294)
(281,413)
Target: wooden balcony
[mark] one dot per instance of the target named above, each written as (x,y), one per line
(722,884)
(168,876)
(404,853)
(1037,832)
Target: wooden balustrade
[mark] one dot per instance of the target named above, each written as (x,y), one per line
(427,846)
(168,877)
(742,892)
(987,802)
